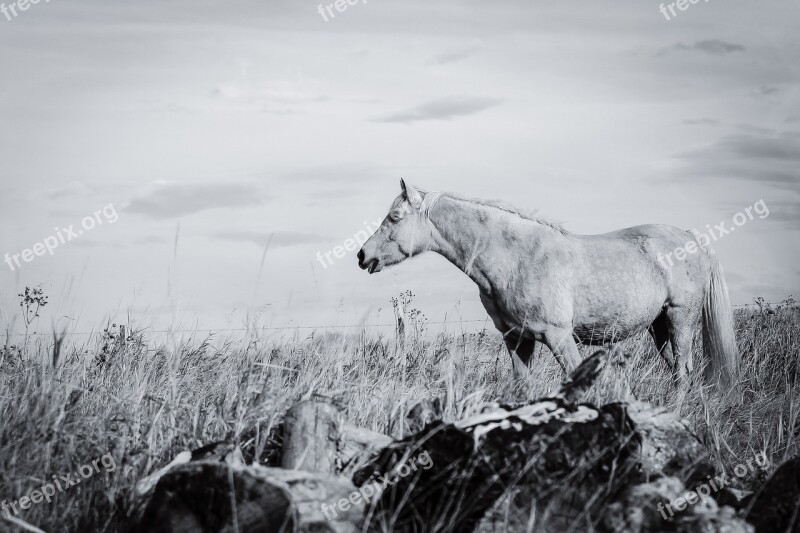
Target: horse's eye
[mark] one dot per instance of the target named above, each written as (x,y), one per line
(395,216)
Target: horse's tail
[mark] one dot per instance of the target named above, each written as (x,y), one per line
(719,340)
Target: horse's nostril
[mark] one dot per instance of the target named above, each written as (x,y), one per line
(361,257)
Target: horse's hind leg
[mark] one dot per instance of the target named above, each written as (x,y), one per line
(659,330)
(682,322)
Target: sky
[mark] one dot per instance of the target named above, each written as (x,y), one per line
(223,146)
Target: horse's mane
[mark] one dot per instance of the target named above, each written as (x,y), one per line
(427,205)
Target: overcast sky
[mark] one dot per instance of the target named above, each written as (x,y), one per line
(214,129)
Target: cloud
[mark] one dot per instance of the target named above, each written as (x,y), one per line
(167,106)
(71,189)
(750,156)
(764,91)
(453,56)
(749,128)
(787,212)
(148,239)
(92,243)
(444,109)
(700,122)
(345,173)
(710,46)
(172,199)
(277,239)
(269,96)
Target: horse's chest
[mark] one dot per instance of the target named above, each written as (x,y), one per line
(515,314)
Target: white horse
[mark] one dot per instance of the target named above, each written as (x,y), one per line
(541,283)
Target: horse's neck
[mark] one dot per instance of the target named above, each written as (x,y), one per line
(474,238)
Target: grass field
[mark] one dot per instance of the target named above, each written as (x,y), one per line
(142,401)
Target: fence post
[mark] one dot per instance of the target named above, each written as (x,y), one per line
(312,430)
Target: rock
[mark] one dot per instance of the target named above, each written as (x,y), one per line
(583,377)
(669,447)
(200,496)
(734,498)
(357,446)
(541,449)
(424,413)
(776,507)
(651,507)
(546,465)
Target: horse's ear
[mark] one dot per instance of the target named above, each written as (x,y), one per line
(412,195)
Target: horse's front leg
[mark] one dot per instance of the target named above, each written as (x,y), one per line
(562,344)
(520,348)
(521,351)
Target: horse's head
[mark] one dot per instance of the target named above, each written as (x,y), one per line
(404,232)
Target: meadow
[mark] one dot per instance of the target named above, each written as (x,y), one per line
(65,402)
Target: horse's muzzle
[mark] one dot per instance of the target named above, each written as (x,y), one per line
(370,266)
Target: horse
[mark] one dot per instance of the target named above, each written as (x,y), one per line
(540,283)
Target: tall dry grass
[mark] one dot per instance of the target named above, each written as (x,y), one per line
(145,401)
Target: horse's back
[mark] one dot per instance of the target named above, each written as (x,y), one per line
(645,232)
(648,242)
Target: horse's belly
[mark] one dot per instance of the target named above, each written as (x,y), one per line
(618,297)
(617,319)
(602,318)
